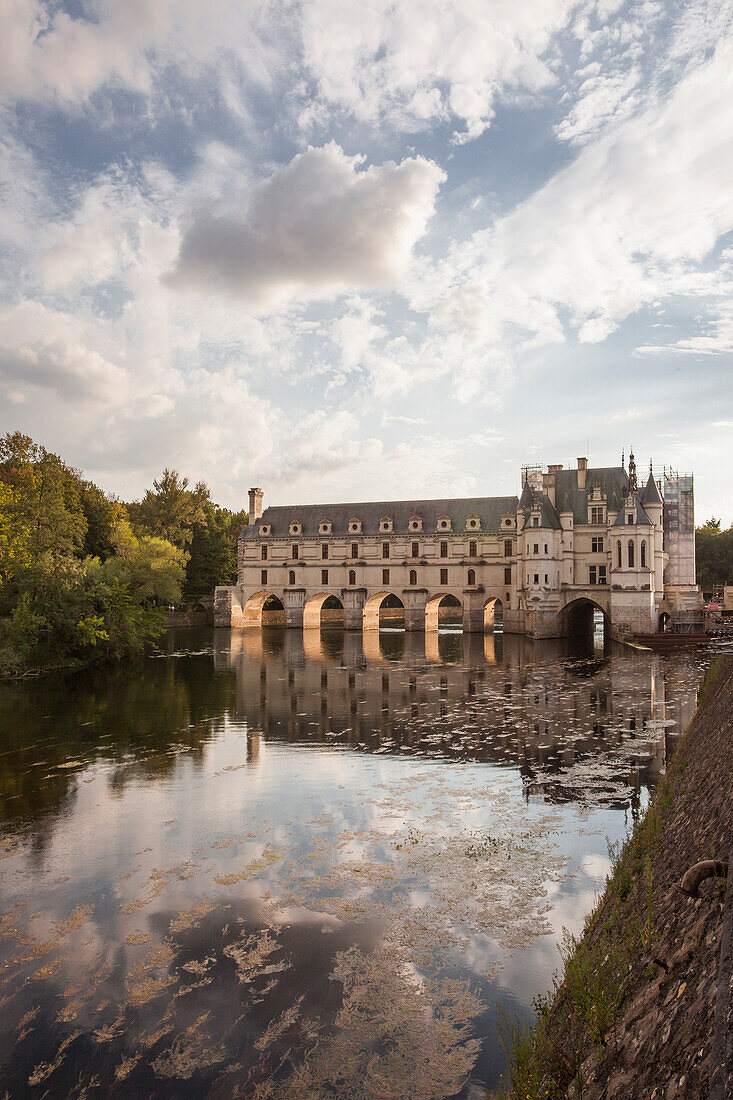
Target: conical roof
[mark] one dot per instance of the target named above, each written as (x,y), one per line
(651,494)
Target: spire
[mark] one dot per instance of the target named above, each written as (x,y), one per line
(651,492)
(633,485)
(623,458)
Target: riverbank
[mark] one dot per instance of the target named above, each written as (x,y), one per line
(634,1015)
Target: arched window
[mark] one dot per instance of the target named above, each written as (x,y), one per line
(352,576)
(291,577)
(618,552)
(413,576)
(472,576)
(631,554)
(642,556)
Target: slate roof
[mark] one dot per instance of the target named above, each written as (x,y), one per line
(640,516)
(651,494)
(614,483)
(489,510)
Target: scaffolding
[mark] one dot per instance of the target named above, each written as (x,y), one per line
(679,528)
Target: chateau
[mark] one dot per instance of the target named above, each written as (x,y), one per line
(573,542)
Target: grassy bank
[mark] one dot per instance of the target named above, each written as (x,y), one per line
(628,973)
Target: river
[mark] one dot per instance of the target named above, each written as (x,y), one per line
(283,864)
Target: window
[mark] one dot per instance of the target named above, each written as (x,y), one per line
(629,518)
(415,550)
(596,545)
(547,579)
(507,574)
(291,577)
(592,574)
(536,578)
(385,576)
(507,548)
(352,576)
(536,548)
(324,550)
(618,554)
(294,551)
(444,576)
(596,515)
(385,549)
(642,556)
(601,574)
(264,553)
(473,550)
(413,576)
(324,576)
(545,547)
(444,549)
(355,549)
(535,521)
(263,576)
(631,554)
(472,576)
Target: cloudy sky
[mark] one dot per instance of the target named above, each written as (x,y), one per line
(357,249)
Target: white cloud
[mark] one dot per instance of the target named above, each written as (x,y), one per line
(320,225)
(47,54)
(628,223)
(422,61)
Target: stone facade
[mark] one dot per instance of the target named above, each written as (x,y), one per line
(575,539)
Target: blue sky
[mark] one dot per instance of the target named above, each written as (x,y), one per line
(351,250)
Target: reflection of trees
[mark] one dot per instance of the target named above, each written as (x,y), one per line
(140,711)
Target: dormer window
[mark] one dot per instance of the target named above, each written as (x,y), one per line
(265,529)
(385,524)
(354,526)
(507,521)
(597,514)
(324,527)
(415,523)
(295,528)
(473,523)
(444,523)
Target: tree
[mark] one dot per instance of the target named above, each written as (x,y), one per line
(101,515)
(171,510)
(152,569)
(714,555)
(45,498)
(213,551)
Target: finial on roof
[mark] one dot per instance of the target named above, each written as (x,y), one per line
(632,470)
(623,457)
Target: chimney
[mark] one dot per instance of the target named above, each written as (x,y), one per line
(582,469)
(548,484)
(255,504)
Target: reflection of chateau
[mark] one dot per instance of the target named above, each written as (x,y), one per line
(574,540)
(508,701)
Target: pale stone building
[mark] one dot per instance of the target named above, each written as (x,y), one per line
(574,540)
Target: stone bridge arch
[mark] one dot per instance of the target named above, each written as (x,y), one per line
(372,606)
(252,612)
(314,606)
(432,608)
(576,616)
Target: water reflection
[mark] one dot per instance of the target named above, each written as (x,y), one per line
(215,866)
(578,726)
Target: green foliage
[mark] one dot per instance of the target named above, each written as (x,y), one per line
(171,510)
(213,551)
(45,500)
(101,515)
(76,584)
(714,555)
(152,568)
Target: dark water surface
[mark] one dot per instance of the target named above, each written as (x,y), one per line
(270,864)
